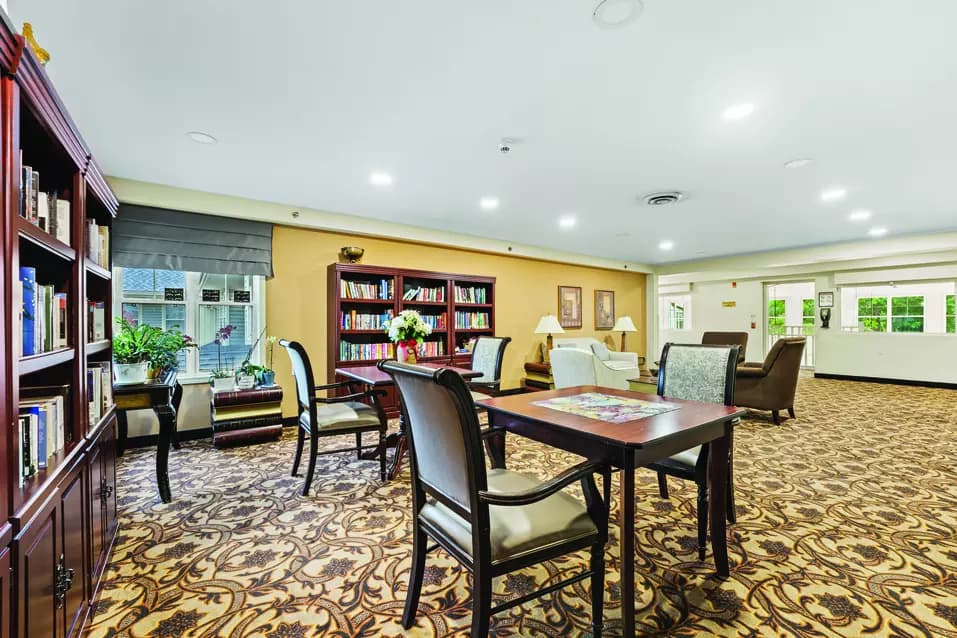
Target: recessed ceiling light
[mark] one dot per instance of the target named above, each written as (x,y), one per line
(800,162)
(877,231)
(738,111)
(489,203)
(380,179)
(201,138)
(568,221)
(833,194)
(666,244)
(859,215)
(610,14)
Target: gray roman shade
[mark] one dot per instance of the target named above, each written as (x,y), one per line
(147,237)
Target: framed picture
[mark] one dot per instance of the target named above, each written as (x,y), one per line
(825,300)
(604,309)
(570,306)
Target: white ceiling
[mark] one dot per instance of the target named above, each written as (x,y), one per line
(308,97)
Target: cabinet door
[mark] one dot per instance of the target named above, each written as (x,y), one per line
(97,516)
(108,451)
(5,619)
(74,530)
(36,549)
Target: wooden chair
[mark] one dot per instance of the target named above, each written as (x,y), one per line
(487,358)
(332,416)
(492,521)
(698,373)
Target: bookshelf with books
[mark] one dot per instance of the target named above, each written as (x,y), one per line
(57,496)
(362,298)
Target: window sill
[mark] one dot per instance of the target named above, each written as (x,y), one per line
(193,379)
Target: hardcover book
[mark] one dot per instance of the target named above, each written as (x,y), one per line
(28,277)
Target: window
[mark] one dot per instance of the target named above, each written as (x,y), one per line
(675,312)
(918,307)
(907,314)
(776,315)
(676,316)
(872,314)
(949,315)
(807,315)
(198,305)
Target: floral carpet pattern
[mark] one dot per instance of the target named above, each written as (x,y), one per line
(847,526)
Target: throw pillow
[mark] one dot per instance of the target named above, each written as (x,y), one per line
(601,351)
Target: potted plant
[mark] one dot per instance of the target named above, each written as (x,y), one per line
(248,373)
(267,374)
(131,351)
(221,378)
(407,331)
(164,350)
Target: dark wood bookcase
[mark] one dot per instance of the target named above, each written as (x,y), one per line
(378,290)
(57,528)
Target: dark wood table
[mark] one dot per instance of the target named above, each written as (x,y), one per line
(376,378)
(628,446)
(162,396)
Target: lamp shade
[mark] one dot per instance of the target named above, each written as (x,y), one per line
(624,324)
(548,324)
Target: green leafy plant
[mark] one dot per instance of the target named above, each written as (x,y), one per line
(132,344)
(250,368)
(164,349)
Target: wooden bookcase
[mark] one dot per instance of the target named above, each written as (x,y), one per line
(374,291)
(62,520)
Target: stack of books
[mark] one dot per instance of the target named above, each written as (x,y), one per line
(384,289)
(44,210)
(98,244)
(245,416)
(95,321)
(469,295)
(43,315)
(476,320)
(41,426)
(99,389)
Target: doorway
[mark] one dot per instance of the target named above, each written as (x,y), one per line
(790,311)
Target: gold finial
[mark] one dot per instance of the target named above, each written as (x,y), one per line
(42,54)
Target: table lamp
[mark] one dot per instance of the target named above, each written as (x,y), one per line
(547,325)
(623,325)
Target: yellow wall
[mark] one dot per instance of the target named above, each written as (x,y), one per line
(525,289)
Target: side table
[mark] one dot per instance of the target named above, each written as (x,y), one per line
(246,416)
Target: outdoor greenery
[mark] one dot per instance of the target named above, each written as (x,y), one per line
(807,313)
(951,315)
(872,314)
(776,312)
(907,314)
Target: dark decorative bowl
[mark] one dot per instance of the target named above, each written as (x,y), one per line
(353,253)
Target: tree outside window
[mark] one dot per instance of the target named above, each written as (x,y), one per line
(776,309)
(807,315)
(907,314)
(872,314)
(951,315)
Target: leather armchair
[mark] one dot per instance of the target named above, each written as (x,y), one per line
(771,385)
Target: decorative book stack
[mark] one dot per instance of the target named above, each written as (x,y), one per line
(246,416)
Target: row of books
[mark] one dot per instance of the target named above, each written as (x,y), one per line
(384,289)
(95,321)
(99,389)
(41,426)
(470,295)
(424,294)
(44,209)
(364,351)
(436,322)
(98,243)
(362,321)
(43,314)
(472,320)
(431,348)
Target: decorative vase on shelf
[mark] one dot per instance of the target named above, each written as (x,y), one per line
(131,372)
(269,378)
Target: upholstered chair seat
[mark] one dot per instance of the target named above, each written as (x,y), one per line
(341,416)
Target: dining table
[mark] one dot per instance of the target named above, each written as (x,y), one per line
(656,428)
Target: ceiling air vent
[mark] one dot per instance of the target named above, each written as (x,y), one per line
(663,198)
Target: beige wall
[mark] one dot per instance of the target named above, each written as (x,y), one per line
(525,290)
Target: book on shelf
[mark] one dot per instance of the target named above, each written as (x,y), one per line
(475,320)
(383,290)
(354,320)
(421,293)
(43,314)
(436,322)
(41,426)
(470,294)
(431,348)
(95,321)
(99,389)
(45,210)
(349,351)
(98,244)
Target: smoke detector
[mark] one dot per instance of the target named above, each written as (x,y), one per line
(663,198)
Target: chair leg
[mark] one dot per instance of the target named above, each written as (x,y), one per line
(382,446)
(481,603)
(791,412)
(358,446)
(299,442)
(597,588)
(419,550)
(663,484)
(776,417)
(313,453)
(702,518)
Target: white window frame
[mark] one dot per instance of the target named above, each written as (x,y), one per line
(193,300)
(664,304)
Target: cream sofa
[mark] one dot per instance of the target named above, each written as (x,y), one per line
(587,361)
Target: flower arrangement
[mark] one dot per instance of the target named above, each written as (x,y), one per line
(407,331)
(222,336)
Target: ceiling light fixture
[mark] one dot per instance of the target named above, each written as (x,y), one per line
(201,138)
(738,111)
(568,221)
(666,244)
(800,162)
(489,203)
(380,179)
(611,14)
(833,194)
(859,215)
(877,231)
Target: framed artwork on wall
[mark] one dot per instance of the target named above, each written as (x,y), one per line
(604,309)
(825,300)
(570,306)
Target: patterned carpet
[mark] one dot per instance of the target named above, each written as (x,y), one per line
(846,527)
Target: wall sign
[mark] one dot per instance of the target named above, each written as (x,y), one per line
(241,296)
(174,294)
(825,300)
(729,304)
(211,295)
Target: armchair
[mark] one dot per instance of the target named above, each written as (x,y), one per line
(589,362)
(771,385)
(492,521)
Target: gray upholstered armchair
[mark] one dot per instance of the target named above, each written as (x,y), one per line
(493,521)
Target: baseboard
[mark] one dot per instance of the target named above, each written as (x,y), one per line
(910,382)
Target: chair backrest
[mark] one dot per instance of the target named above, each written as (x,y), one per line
(302,371)
(571,367)
(785,352)
(698,372)
(443,433)
(487,357)
(727,339)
